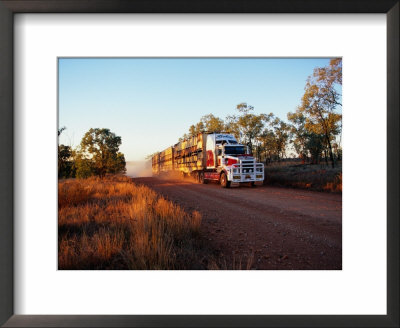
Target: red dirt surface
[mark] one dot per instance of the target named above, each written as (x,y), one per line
(269,228)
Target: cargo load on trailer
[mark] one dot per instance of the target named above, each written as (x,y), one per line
(210,156)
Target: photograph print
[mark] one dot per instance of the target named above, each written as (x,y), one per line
(199,163)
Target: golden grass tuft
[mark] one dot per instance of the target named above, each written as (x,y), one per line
(113,223)
(335,185)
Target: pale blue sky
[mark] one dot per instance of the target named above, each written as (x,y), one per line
(151,102)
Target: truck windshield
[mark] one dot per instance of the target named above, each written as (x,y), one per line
(234,150)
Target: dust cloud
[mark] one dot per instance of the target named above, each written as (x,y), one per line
(138,169)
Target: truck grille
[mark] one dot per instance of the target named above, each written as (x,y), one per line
(247,166)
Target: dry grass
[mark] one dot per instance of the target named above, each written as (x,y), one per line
(116,224)
(235,262)
(313,177)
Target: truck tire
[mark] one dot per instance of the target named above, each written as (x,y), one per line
(201,178)
(205,181)
(223,180)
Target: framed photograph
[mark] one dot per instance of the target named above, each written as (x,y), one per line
(121,121)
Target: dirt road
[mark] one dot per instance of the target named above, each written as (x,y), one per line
(263,227)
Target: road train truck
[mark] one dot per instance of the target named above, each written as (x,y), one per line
(210,156)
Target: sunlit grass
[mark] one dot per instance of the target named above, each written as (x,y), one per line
(115,224)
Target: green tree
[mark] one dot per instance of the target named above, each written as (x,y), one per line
(281,132)
(274,138)
(212,123)
(65,160)
(320,101)
(315,146)
(298,134)
(99,150)
(305,142)
(119,164)
(247,126)
(231,126)
(195,130)
(267,145)
(207,123)
(83,166)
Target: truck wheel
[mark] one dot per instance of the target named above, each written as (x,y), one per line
(252,184)
(201,177)
(205,181)
(224,181)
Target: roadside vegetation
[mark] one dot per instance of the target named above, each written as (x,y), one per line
(317,177)
(112,223)
(97,155)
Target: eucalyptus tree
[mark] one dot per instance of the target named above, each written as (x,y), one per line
(321,102)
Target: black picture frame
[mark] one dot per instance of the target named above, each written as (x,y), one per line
(7,10)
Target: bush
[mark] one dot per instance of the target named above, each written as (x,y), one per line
(313,177)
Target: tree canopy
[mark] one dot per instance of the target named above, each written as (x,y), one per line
(98,154)
(317,116)
(246,126)
(274,138)
(312,131)
(101,148)
(65,159)
(207,123)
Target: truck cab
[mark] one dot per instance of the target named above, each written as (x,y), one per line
(230,162)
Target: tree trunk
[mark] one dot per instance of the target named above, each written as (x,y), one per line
(330,150)
(327,138)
